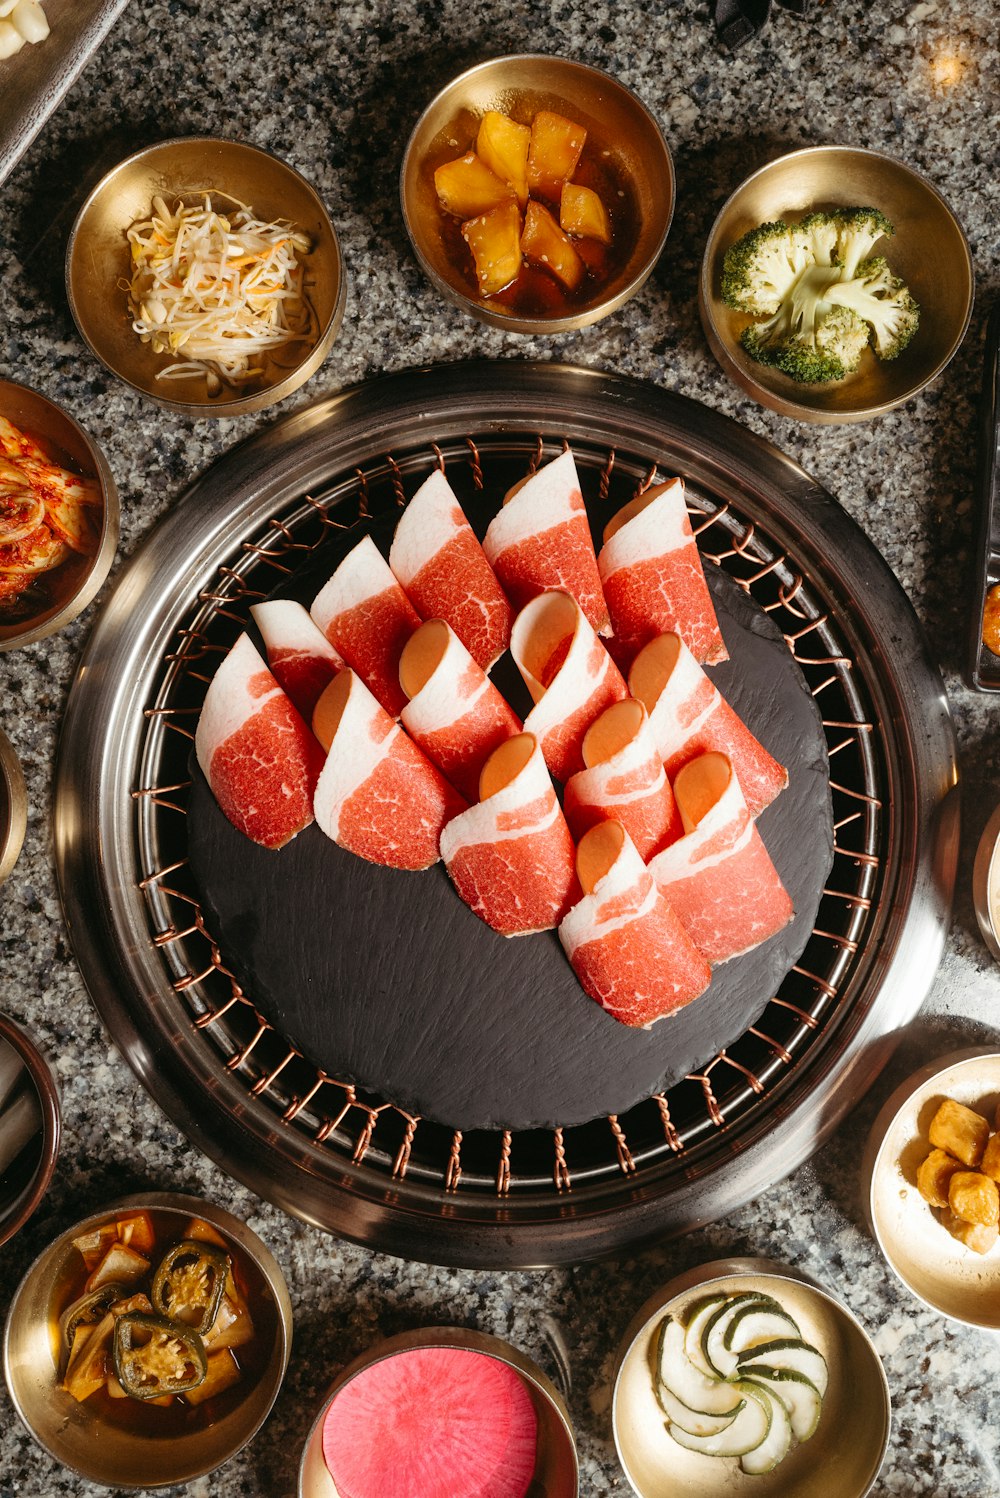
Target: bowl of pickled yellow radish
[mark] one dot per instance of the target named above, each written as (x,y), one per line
(206,274)
(932,1169)
(537,193)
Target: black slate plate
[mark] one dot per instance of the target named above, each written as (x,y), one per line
(386,979)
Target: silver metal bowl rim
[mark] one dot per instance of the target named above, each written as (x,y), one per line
(282,388)
(822,415)
(877,1144)
(16,792)
(100,564)
(227,1222)
(987,854)
(469,1338)
(726,1269)
(44,1082)
(539,325)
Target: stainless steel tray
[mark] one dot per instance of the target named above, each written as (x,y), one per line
(357,1165)
(35,80)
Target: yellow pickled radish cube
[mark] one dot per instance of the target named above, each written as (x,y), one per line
(556,144)
(980,1237)
(545,244)
(974,1197)
(990,1163)
(502,144)
(960,1131)
(467,186)
(934,1175)
(495,241)
(582,213)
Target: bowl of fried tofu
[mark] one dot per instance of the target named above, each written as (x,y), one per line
(537,193)
(933,1162)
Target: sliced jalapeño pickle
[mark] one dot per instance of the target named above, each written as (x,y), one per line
(154,1356)
(87,1311)
(190,1282)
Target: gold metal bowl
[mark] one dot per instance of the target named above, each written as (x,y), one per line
(557,1473)
(26,1179)
(13,806)
(98,265)
(617,122)
(928,251)
(846,1451)
(59,595)
(934,1266)
(72,1432)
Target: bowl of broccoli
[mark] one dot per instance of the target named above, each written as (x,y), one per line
(836,284)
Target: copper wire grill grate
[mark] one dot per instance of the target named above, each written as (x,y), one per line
(665,1132)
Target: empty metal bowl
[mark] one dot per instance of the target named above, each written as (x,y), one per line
(13,807)
(556,1472)
(29,1127)
(933,1265)
(928,251)
(98,265)
(75,1433)
(60,593)
(620,128)
(843,1456)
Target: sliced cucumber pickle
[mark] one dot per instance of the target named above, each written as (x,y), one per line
(776,1444)
(744,1433)
(788,1353)
(752,1324)
(715,1330)
(698,1318)
(797,1393)
(687,1384)
(695,1422)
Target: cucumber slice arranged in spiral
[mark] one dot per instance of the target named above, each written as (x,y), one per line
(737,1380)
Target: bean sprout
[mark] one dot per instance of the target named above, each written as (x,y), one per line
(224,290)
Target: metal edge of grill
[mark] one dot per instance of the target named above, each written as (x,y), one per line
(662,1144)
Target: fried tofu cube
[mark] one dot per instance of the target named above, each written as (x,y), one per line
(990,1163)
(495,241)
(934,1175)
(960,1131)
(545,244)
(467,186)
(974,1197)
(502,144)
(980,1237)
(581,212)
(555,149)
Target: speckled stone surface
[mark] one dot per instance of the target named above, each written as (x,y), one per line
(335,89)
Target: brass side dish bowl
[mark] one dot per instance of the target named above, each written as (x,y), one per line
(934,1266)
(98,265)
(928,251)
(841,1459)
(73,1432)
(62,593)
(13,807)
(619,126)
(25,1179)
(556,1473)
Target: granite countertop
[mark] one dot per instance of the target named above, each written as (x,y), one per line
(334,90)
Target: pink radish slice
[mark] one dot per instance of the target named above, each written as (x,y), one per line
(436,1422)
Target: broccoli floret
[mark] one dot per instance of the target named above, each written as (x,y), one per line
(858,231)
(884,302)
(760,269)
(822,292)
